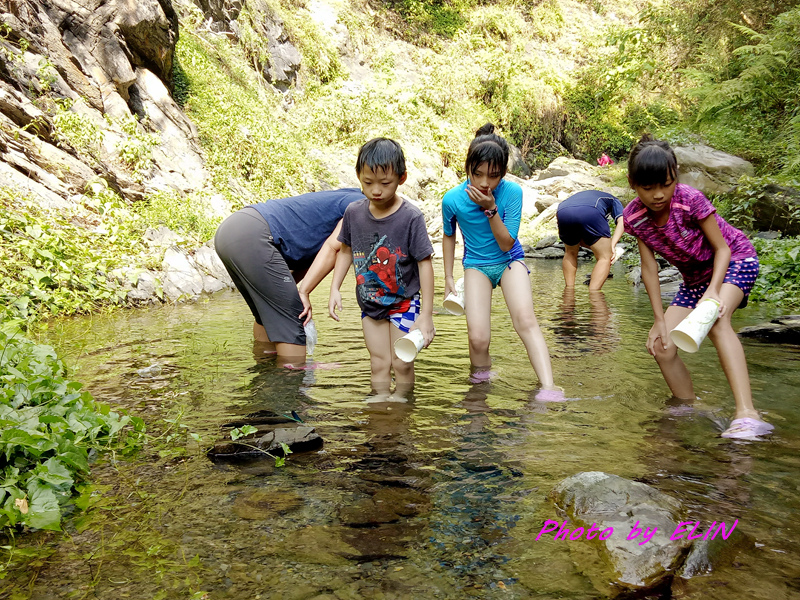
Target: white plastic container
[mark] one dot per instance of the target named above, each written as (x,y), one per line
(454,303)
(408,346)
(691,332)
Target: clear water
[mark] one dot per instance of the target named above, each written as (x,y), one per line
(439,498)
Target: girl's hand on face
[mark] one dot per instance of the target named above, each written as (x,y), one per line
(709,295)
(484,200)
(658,335)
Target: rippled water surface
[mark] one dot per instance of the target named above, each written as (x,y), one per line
(439,498)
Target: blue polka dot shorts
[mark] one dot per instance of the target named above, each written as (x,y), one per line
(741,273)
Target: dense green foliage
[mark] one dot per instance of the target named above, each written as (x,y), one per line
(50,431)
(779,279)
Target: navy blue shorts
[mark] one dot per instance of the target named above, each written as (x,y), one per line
(578,224)
(741,273)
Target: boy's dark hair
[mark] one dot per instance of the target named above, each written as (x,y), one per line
(652,162)
(487,147)
(381,153)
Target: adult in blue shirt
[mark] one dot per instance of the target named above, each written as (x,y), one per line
(583,221)
(269,247)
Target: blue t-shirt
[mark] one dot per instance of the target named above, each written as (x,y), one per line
(602,201)
(301,224)
(480,245)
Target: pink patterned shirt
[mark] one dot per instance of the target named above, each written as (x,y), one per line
(681,241)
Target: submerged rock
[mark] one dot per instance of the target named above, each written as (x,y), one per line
(710,554)
(609,501)
(298,439)
(783,330)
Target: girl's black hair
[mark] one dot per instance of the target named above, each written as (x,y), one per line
(652,162)
(487,147)
(381,153)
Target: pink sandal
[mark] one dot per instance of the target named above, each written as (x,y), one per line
(747,428)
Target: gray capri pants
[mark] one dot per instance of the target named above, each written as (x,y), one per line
(244,244)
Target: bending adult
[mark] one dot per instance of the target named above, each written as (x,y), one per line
(583,221)
(269,247)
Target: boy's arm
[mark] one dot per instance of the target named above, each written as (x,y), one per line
(343,262)
(425,321)
(449,257)
(619,229)
(722,259)
(319,269)
(653,286)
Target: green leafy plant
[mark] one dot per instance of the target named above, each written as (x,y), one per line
(779,278)
(74,129)
(237,433)
(136,150)
(49,427)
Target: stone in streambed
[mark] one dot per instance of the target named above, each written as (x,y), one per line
(783,330)
(610,501)
(299,439)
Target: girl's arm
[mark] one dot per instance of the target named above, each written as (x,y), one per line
(425,321)
(658,332)
(486,201)
(319,269)
(722,259)
(343,262)
(449,257)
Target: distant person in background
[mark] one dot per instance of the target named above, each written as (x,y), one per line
(270,246)
(583,221)
(604,160)
(716,260)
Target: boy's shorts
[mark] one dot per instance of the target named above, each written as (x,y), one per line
(405,315)
(495,272)
(741,273)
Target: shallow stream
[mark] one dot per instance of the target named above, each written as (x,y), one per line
(442,497)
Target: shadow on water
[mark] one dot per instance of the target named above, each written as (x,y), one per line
(439,497)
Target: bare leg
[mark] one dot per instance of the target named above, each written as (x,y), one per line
(731,353)
(603,252)
(403,371)
(294,354)
(261,344)
(569,265)
(672,367)
(378,338)
(478,309)
(291,353)
(516,287)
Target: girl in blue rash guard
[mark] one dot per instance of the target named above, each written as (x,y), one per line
(488,209)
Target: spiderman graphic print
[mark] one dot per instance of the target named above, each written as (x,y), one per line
(385,256)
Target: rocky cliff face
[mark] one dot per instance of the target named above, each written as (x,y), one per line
(85,94)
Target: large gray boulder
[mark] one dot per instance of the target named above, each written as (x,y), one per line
(710,171)
(607,501)
(112,61)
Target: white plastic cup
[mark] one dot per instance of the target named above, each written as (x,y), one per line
(618,252)
(454,303)
(691,332)
(408,346)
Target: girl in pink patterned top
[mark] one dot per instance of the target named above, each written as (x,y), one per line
(716,260)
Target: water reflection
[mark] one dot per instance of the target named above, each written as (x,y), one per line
(440,496)
(582,329)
